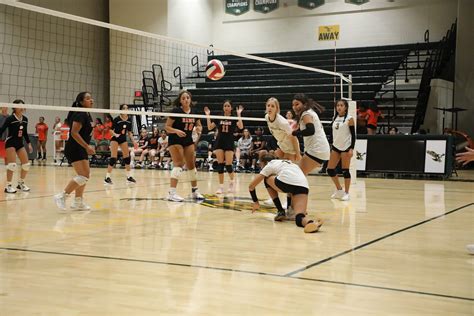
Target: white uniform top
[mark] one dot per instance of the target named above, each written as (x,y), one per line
(316,145)
(286,171)
(341,134)
(281,129)
(245,144)
(163,142)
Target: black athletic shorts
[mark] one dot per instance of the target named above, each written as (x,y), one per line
(371,126)
(17,144)
(183,141)
(120,140)
(340,151)
(320,161)
(289,188)
(75,153)
(225,145)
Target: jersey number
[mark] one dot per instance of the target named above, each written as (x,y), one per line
(20,133)
(225,128)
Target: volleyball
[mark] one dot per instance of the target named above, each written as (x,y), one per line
(215,69)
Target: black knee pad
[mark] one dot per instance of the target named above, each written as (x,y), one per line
(220,168)
(266,184)
(112,161)
(346,173)
(299,219)
(331,172)
(127,160)
(229,168)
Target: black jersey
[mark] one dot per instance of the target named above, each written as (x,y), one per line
(122,127)
(86,127)
(142,141)
(226,129)
(153,142)
(257,142)
(17,129)
(185,124)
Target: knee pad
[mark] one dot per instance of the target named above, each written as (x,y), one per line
(176,172)
(299,219)
(346,173)
(112,161)
(331,172)
(229,168)
(11,166)
(127,160)
(220,168)
(25,166)
(80,180)
(192,175)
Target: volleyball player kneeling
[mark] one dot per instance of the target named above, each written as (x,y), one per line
(285,176)
(77,151)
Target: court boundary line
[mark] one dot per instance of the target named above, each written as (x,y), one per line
(239,271)
(290,274)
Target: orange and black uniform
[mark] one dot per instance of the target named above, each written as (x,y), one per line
(185,124)
(17,131)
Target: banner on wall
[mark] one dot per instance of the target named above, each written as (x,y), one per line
(360,153)
(328,33)
(265,6)
(310,4)
(236,7)
(435,156)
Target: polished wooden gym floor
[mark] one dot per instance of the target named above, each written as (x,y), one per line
(398,247)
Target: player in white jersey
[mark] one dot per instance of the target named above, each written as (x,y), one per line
(343,135)
(285,176)
(289,147)
(316,145)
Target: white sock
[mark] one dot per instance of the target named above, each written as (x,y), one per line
(129,174)
(107,175)
(172,190)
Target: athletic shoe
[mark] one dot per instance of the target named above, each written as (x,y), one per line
(338,194)
(346,197)
(60,200)
(268,202)
(312,227)
(281,216)
(10,189)
(174,197)
(23,187)
(197,196)
(290,214)
(131,180)
(220,191)
(470,249)
(79,205)
(108,181)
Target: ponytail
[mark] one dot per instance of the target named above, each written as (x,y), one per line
(309,103)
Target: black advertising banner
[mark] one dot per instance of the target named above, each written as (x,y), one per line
(265,6)
(236,7)
(310,4)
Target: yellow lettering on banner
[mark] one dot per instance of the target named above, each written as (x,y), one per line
(328,33)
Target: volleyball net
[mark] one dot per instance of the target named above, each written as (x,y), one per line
(48,57)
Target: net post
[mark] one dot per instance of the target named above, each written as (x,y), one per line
(350,87)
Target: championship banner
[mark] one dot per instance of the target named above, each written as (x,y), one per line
(265,6)
(310,4)
(435,156)
(236,7)
(328,33)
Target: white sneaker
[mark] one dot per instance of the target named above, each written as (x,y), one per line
(10,189)
(79,205)
(174,197)
(197,195)
(470,249)
(23,187)
(338,194)
(231,188)
(60,200)
(268,202)
(345,197)
(220,191)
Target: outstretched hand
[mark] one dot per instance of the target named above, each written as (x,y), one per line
(240,108)
(466,156)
